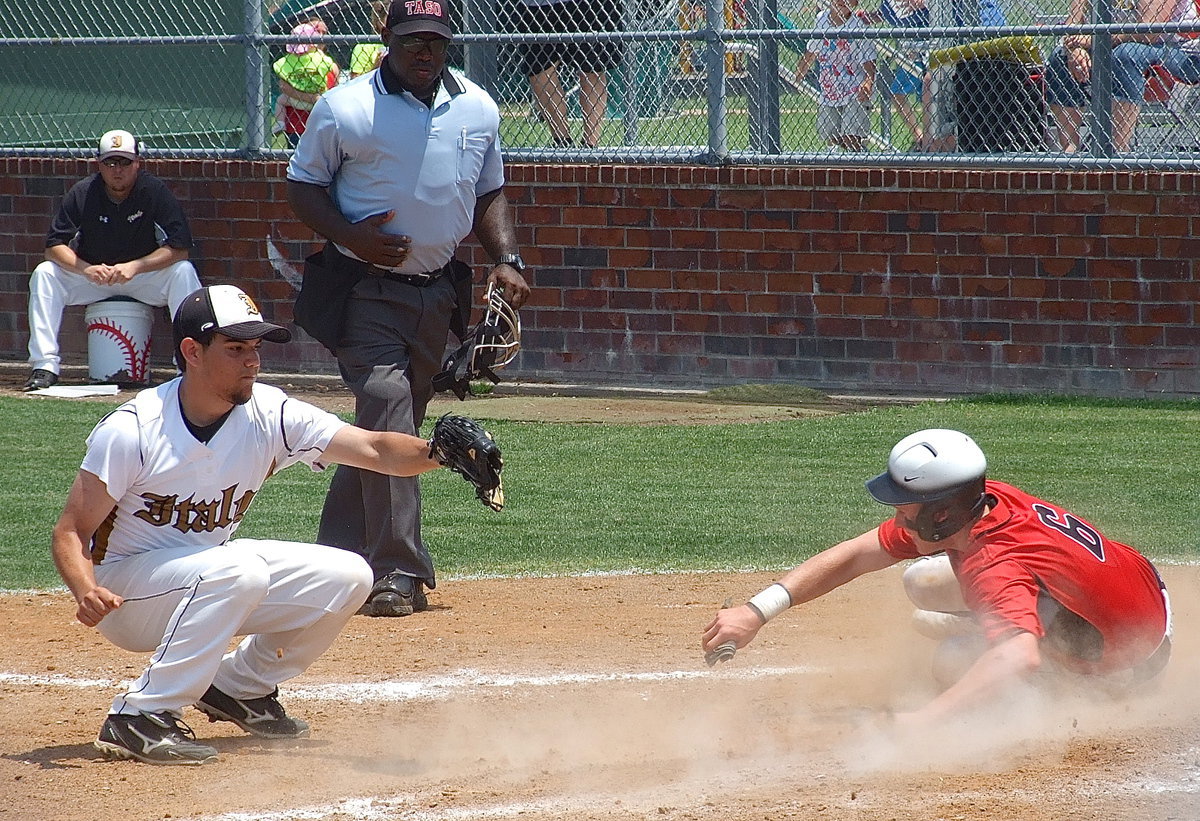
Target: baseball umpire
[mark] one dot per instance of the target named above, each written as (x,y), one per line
(1030,586)
(145,543)
(395,170)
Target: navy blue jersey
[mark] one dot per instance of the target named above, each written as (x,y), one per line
(109,232)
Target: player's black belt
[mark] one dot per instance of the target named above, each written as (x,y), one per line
(419,280)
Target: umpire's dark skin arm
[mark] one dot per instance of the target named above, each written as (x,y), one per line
(493,227)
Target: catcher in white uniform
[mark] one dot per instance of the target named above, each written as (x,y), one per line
(145,540)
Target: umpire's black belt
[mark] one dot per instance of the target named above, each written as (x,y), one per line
(338,259)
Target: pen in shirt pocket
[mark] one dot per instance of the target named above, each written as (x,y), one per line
(462,139)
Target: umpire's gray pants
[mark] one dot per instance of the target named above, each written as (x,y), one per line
(392,345)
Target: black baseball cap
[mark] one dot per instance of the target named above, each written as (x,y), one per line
(417,16)
(224,309)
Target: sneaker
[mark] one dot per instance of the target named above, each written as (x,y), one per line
(395,595)
(40,378)
(263,717)
(156,738)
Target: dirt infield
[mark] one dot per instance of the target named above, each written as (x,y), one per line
(587,698)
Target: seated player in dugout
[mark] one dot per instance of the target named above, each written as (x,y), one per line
(118,233)
(1016,588)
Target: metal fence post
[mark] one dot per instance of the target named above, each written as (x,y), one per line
(631,90)
(480,59)
(256,103)
(714,61)
(763,98)
(1100,122)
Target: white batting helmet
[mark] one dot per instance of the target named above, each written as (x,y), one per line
(941,470)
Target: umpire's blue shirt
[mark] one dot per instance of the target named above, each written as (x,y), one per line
(379,148)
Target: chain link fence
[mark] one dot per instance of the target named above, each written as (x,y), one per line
(940,82)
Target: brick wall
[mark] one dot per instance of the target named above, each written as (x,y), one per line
(857,280)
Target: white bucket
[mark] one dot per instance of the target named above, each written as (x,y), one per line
(118,333)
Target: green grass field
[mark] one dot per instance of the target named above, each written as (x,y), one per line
(605,498)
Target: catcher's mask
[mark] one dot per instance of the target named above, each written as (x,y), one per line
(490,346)
(943,472)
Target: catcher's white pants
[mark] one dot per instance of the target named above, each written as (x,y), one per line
(290,600)
(52,289)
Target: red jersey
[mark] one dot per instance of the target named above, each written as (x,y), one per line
(1025,548)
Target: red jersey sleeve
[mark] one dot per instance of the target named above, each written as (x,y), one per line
(896,541)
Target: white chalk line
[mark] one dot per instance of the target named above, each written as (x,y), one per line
(437,688)
(57,680)
(401,808)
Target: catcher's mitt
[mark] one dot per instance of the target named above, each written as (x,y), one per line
(462,445)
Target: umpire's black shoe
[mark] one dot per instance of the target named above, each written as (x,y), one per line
(395,595)
(156,738)
(263,717)
(40,378)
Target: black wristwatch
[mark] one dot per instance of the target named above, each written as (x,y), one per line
(512,259)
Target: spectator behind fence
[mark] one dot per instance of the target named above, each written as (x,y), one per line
(119,232)
(846,76)
(1135,54)
(367,56)
(1069,71)
(937,93)
(908,70)
(590,60)
(304,73)
(382,293)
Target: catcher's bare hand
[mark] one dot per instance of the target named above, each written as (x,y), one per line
(463,446)
(95,604)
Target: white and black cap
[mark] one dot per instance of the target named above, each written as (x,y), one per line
(118,143)
(224,309)
(928,465)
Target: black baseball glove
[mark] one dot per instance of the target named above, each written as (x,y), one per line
(462,445)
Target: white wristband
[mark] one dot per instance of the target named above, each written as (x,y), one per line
(771,602)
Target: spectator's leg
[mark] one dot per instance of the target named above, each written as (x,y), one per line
(937,98)
(1125,117)
(1130,61)
(548,91)
(856,126)
(1067,122)
(280,117)
(903,87)
(1066,98)
(1184,66)
(829,125)
(593,99)
(909,114)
